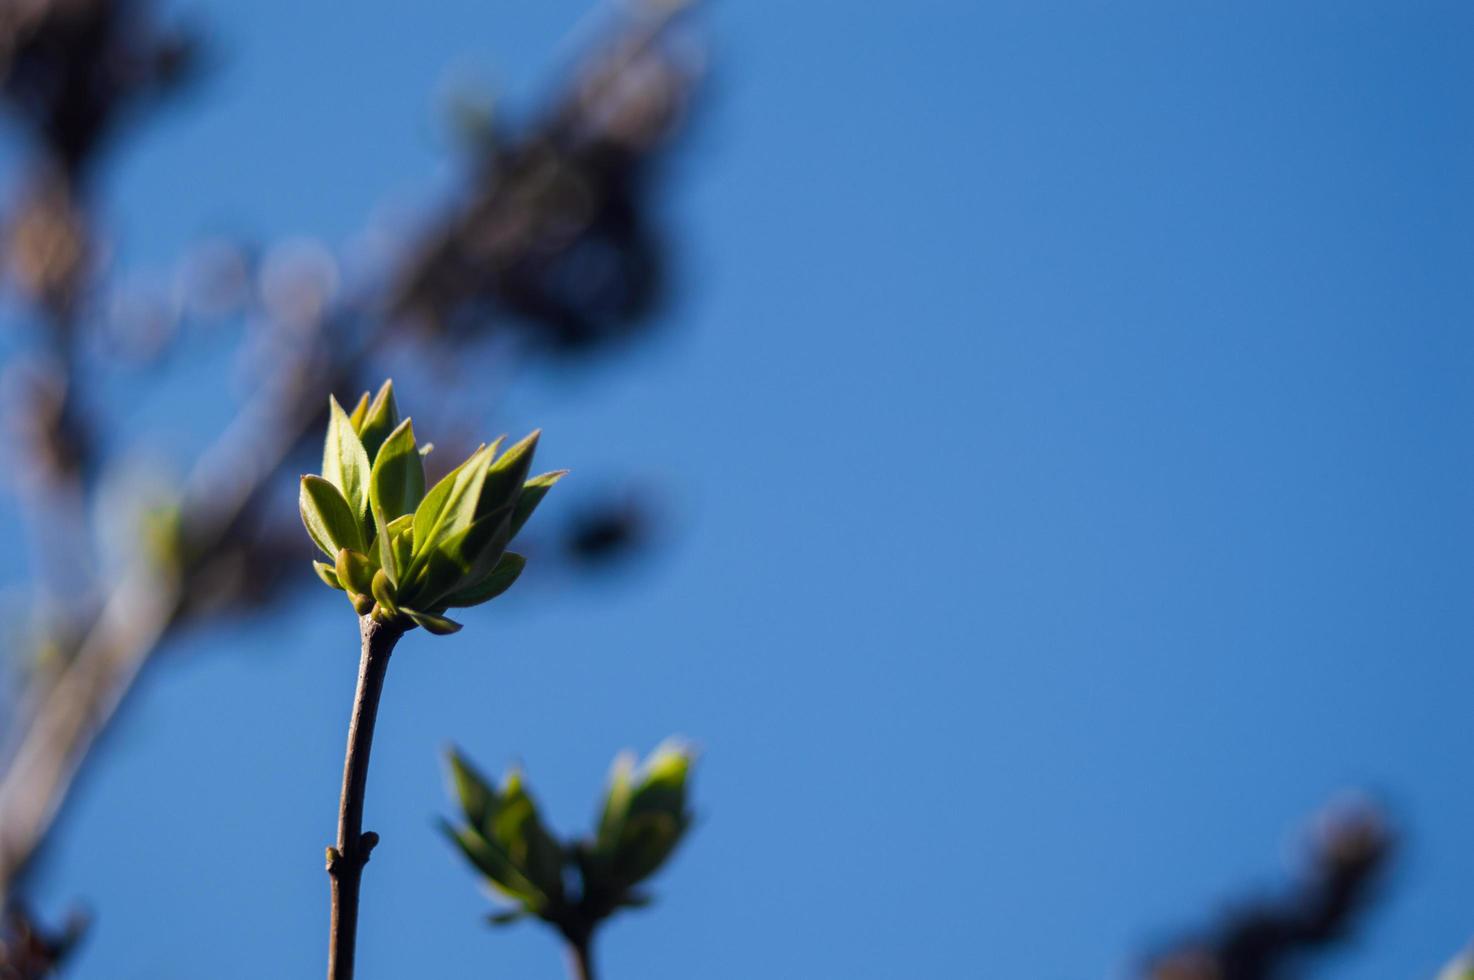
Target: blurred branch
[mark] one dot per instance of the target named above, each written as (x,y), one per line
(1265,939)
(28,952)
(537,202)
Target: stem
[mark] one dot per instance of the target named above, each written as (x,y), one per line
(581,955)
(346,860)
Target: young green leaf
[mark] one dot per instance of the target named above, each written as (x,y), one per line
(430,510)
(497,581)
(345,464)
(381,419)
(397,481)
(359,413)
(396,485)
(432,623)
(498,867)
(475,550)
(520,832)
(327,574)
(461,506)
(401,532)
(504,478)
(616,803)
(533,492)
(478,798)
(327,517)
(647,842)
(437,575)
(661,784)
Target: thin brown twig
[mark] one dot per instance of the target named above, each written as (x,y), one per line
(581,957)
(346,860)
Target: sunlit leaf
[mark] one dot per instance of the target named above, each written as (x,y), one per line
(533,492)
(345,464)
(396,486)
(506,475)
(432,623)
(329,521)
(381,418)
(327,574)
(497,581)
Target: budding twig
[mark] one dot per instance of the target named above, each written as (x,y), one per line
(346,860)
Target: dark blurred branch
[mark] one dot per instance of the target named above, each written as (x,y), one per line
(29,952)
(1266,939)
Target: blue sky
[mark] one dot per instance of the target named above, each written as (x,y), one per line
(1067,413)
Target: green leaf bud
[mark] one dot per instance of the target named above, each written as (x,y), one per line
(355,571)
(327,574)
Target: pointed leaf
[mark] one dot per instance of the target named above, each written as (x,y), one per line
(456,562)
(438,625)
(505,477)
(428,513)
(461,506)
(381,419)
(396,486)
(660,786)
(325,572)
(616,803)
(478,798)
(475,550)
(497,581)
(494,863)
(519,830)
(345,464)
(401,532)
(359,413)
(533,492)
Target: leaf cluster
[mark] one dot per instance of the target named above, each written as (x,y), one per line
(404,554)
(574,885)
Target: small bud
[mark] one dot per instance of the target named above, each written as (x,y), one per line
(355,571)
(327,574)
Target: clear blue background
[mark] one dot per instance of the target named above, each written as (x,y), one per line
(1068,416)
